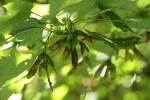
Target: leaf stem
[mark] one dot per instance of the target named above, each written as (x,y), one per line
(47,41)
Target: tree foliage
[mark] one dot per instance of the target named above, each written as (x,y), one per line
(79,49)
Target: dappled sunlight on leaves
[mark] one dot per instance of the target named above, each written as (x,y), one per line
(74,49)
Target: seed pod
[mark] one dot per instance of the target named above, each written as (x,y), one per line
(89,38)
(65,54)
(139,54)
(113,74)
(83,47)
(71,71)
(86,37)
(51,63)
(40,70)
(74,57)
(34,67)
(42,67)
(56,45)
(106,74)
(99,70)
(148,36)
(112,69)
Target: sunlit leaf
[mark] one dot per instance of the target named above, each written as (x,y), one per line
(26,30)
(116,20)
(103,27)
(10,69)
(82,7)
(17,12)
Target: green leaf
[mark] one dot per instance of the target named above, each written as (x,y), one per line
(79,6)
(17,12)
(120,4)
(55,6)
(116,20)
(5,93)
(27,37)
(82,8)
(1,38)
(10,67)
(32,23)
(138,23)
(26,30)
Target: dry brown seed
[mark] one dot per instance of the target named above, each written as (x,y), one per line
(99,70)
(34,68)
(71,71)
(50,61)
(139,54)
(56,45)
(83,47)
(74,56)
(88,38)
(65,54)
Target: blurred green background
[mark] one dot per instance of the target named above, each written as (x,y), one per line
(103,73)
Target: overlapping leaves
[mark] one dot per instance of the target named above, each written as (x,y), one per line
(26,30)
(16,13)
